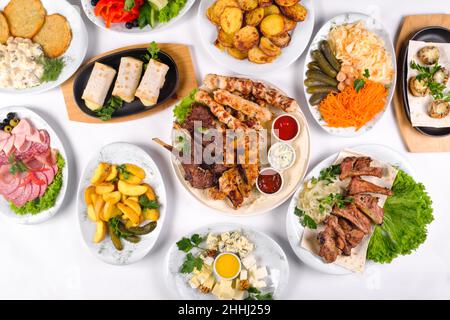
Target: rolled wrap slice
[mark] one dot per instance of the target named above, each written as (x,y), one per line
(98,86)
(152,82)
(127,82)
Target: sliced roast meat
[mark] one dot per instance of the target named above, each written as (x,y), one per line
(49,174)
(198,177)
(356,217)
(328,240)
(353,236)
(35,190)
(359,166)
(44,187)
(200,116)
(358,185)
(369,205)
(24,196)
(10,183)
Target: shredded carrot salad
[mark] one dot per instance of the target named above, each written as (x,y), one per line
(353,109)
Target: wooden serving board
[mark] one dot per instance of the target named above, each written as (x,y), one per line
(182,56)
(414,140)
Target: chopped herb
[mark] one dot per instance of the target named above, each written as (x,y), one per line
(191,263)
(255,294)
(334,199)
(106,112)
(182,110)
(329,174)
(152,53)
(305,220)
(115,222)
(187,244)
(52,68)
(122,169)
(128,5)
(359,84)
(426,74)
(146,203)
(366,74)
(17,166)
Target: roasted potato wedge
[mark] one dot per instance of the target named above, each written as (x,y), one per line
(265,3)
(235,53)
(269,48)
(112,197)
(254,17)
(296,12)
(225,39)
(289,24)
(272,25)
(151,195)
(98,207)
(110,210)
(135,170)
(104,188)
(130,178)
(272,9)
(101,172)
(211,17)
(91,213)
(231,20)
(112,174)
(151,214)
(130,189)
(129,213)
(134,205)
(219,8)
(281,40)
(247,5)
(286,3)
(219,46)
(256,55)
(88,195)
(246,38)
(100,232)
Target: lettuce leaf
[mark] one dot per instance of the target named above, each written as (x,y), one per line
(170,11)
(182,110)
(406,216)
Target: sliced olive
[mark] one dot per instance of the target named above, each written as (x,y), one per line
(115,239)
(8,129)
(317,98)
(11,115)
(140,231)
(14,122)
(133,239)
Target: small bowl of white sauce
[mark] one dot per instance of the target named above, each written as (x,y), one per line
(281,156)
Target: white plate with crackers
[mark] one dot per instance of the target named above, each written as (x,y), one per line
(56,26)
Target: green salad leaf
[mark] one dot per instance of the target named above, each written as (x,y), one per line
(128,5)
(106,112)
(182,109)
(406,216)
(171,10)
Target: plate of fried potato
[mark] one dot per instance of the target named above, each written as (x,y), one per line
(51,35)
(121,204)
(255,37)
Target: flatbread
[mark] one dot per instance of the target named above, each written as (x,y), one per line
(4,29)
(25,17)
(55,35)
(357,260)
(130,72)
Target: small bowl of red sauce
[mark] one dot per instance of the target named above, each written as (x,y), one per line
(270,181)
(286,127)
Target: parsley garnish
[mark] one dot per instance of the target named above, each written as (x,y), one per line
(255,294)
(305,220)
(334,199)
(190,263)
(426,74)
(187,244)
(329,174)
(115,225)
(146,203)
(360,83)
(17,166)
(106,112)
(124,172)
(152,53)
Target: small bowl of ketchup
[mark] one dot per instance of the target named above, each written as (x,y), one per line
(286,127)
(270,181)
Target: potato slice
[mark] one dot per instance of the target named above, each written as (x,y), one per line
(269,48)
(112,174)
(110,210)
(247,5)
(219,8)
(272,9)
(254,17)
(219,46)
(235,53)
(151,214)
(246,38)
(231,20)
(129,213)
(100,232)
(225,39)
(151,195)
(98,208)
(104,188)
(133,205)
(130,189)
(210,15)
(281,40)
(88,195)
(286,3)
(296,12)
(289,24)
(256,55)
(135,170)
(112,197)
(265,3)
(272,25)
(133,198)
(100,173)
(130,178)
(91,213)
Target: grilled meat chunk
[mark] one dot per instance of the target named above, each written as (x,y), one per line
(369,205)
(198,177)
(358,166)
(327,239)
(200,114)
(352,214)
(230,183)
(358,185)
(353,236)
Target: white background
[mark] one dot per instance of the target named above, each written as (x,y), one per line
(51,260)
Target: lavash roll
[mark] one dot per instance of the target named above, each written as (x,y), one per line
(152,82)
(98,86)
(130,72)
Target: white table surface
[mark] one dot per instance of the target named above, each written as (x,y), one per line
(51,261)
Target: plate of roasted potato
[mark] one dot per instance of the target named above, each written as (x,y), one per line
(255,36)
(121,204)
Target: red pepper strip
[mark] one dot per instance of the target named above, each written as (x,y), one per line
(36,180)
(112,11)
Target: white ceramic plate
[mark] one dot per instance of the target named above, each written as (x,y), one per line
(74,55)
(373,25)
(120,27)
(119,153)
(55,143)
(295,230)
(300,39)
(267,253)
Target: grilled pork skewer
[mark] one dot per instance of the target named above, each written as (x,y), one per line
(213,82)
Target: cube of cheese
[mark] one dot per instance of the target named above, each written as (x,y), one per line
(243,275)
(204,275)
(252,280)
(249,261)
(216,290)
(209,283)
(261,273)
(240,295)
(194,283)
(227,294)
(208,261)
(260,284)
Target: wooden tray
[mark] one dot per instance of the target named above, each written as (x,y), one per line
(182,56)
(414,140)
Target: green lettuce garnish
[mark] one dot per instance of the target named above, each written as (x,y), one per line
(406,216)
(170,11)
(181,110)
